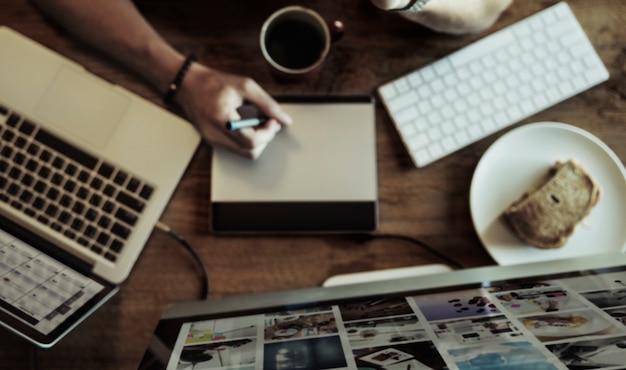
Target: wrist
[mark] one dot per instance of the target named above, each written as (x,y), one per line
(177,82)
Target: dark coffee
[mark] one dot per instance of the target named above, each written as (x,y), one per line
(294,44)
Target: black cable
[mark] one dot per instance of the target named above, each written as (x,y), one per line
(369,237)
(36,357)
(205,275)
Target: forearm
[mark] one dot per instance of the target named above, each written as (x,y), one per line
(118,29)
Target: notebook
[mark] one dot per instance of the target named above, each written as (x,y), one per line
(318,175)
(86,169)
(547,315)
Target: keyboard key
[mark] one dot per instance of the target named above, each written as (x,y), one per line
(13,120)
(126,216)
(130,201)
(66,148)
(120,230)
(27,127)
(133,185)
(105,170)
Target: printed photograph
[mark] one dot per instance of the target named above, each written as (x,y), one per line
(218,354)
(502,356)
(384,331)
(607,298)
(618,314)
(375,309)
(611,280)
(485,329)
(299,326)
(302,311)
(220,330)
(559,326)
(306,354)
(504,287)
(450,306)
(523,302)
(592,354)
(416,356)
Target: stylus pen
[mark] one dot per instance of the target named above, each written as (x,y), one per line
(248,122)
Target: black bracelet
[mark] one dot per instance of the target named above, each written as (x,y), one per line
(175,85)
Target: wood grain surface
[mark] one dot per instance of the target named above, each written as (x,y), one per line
(431,204)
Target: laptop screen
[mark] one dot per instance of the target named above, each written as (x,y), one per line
(41,298)
(550,320)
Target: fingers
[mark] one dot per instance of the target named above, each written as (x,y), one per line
(211,98)
(253,93)
(253,137)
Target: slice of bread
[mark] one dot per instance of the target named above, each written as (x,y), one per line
(546,216)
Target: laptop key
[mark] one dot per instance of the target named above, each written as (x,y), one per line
(130,201)
(146,192)
(133,185)
(105,170)
(13,120)
(120,230)
(27,127)
(126,216)
(66,148)
(110,256)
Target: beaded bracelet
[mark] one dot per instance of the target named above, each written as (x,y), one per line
(175,85)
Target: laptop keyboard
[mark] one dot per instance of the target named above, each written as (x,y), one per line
(74,193)
(491,84)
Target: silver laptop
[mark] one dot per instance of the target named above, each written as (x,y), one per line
(86,169)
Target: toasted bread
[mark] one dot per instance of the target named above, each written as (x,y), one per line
(546,216)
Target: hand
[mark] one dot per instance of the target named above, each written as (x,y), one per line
(210,98)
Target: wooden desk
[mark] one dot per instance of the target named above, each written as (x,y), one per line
(431,204)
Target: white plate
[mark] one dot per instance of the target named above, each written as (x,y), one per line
(516,161)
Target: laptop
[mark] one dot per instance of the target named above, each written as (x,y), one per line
(318,175)
(545,315)
(86,169)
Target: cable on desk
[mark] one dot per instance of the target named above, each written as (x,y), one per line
(362,238)
(36,357)
(205,275)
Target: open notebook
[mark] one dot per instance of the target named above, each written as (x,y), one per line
(86,169)
(550,315)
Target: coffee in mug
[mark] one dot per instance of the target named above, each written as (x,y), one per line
(295,41)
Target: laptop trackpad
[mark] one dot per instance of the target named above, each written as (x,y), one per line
(81,105)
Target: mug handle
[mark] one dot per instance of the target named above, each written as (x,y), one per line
(337,29)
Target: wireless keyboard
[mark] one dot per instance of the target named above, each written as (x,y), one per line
(492,83)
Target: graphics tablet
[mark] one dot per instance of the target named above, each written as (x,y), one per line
(545,315)
(317,175)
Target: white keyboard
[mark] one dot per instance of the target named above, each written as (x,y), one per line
(492,83)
